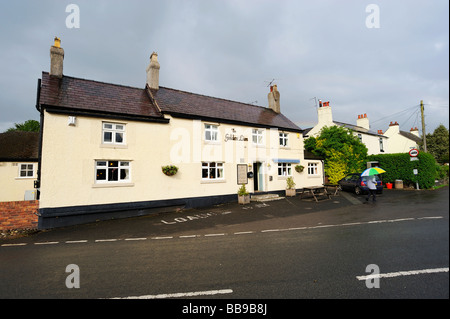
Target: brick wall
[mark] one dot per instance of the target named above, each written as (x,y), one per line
(18,215)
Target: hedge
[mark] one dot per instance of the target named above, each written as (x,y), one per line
(399,166)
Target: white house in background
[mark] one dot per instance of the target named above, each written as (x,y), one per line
(401,141)
(376,142)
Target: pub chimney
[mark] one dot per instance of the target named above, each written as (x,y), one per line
(274,99)
(153,72)
(56,59)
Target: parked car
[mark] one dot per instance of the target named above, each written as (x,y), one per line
(355,183)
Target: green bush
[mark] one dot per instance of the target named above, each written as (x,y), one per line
(399,166)
(242,191)
(442,171)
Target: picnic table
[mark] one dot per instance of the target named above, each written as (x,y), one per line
(333,189)
(316,192)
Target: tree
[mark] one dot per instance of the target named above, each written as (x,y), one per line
(27,126)
(438,144)
(343,152)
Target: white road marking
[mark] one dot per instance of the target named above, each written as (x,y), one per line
(244,232)
(48,243)
(403,273)
(399,220)
(181,294)
(12,245)
(351,224)
(325,226)
(298,228)
(237,233)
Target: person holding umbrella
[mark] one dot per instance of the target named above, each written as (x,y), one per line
(372,185)
(371,181)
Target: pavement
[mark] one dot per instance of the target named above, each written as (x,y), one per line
(234,217)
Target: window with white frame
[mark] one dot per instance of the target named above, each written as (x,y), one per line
(112,171)
(212,170)
(283,139)
(257,136)
(113,133)
(284,169)
(211,132)
(26,170)
(313,169)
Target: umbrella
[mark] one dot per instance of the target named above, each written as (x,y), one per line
(373,171)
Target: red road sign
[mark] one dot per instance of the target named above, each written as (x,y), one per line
(414,152)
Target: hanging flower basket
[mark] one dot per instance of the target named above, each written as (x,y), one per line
(169,170)
(299,168)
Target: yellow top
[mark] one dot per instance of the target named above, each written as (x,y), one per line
(57,42)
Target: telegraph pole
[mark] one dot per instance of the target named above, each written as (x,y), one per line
(423,127)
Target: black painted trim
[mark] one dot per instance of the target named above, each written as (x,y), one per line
(106,115)
(74,215)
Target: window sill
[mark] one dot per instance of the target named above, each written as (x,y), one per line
(27,177)
(206,142)
(314,176)
(283,178)
(258,145)
(114,146)
(212,181)
(108,185)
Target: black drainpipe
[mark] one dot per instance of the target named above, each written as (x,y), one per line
(37,183)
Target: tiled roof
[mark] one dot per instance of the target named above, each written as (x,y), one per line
(76,94)
(87,95)
(179,103)
(17,146)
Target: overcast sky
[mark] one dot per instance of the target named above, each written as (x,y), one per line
(382,61)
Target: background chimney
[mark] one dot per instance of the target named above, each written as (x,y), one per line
(274,99)
(363,121)
(324,114)
(394,128)
(153,72)
(56,59)
(415,131)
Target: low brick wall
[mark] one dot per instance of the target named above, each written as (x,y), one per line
(19,215)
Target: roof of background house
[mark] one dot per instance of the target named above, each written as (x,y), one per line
(87,96)
(411,136)
(357,128)
(19,146)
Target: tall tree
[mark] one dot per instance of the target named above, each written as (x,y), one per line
(343,152)
(438,144)
(27,126)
